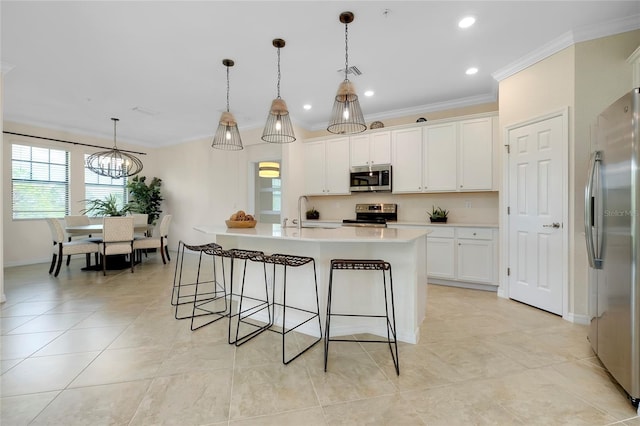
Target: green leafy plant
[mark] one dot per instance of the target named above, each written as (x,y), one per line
(438,214)
(312,213)
(110,206)
(145,198)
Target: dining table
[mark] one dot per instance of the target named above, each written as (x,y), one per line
(96,228)
(117,261)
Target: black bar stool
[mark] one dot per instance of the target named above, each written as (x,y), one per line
(203,292)
(258,304)
(304,315)
(361,265)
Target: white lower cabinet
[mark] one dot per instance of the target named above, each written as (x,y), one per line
(475,261)
(462,255)
(441,253)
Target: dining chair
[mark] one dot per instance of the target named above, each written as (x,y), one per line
(78,220)
(140,219)
(159,242)
(117,238)
(62,248)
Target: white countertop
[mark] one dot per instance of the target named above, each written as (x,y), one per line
(319,234)
(409,223)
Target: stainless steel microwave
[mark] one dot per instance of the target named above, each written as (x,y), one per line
(375,178)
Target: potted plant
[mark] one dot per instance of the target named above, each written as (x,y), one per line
(107,207)
(313,213)
(145,198)
(438,214)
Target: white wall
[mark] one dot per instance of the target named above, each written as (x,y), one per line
(585,77)
(29,241)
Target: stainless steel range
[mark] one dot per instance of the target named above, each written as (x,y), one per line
(373,215)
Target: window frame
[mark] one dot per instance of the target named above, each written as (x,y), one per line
(33,163)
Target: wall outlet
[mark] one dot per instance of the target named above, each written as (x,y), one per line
(467,204)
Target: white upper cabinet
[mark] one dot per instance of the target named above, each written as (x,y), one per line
(326,167)
(440,157)
(452,156)
(371,148)
(475,155)
(406,155)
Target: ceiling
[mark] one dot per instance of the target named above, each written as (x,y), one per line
(157,66)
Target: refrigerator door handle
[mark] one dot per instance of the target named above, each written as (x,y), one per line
(593,252)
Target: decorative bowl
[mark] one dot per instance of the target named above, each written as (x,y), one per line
(241,223)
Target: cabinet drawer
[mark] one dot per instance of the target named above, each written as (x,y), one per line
(441,232)
(475,233)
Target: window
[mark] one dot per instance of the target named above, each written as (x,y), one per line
(39,182)
(99,187)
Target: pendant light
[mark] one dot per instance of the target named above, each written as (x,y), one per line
(227,136)
(114,163)
(269,169)
(278,128)
(346,117)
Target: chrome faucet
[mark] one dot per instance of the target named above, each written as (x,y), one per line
(300,209)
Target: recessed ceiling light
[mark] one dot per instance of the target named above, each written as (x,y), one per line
(471,71)
(369,93)
(307,107)
(466,22)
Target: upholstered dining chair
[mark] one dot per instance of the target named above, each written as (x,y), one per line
(78,220)
(140,219)
(159,241)
(62,248)
(117,238)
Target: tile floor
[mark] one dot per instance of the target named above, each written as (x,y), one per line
(84,349)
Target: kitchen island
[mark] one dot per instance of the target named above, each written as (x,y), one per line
(354,291)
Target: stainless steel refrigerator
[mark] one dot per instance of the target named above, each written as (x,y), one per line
(612,228)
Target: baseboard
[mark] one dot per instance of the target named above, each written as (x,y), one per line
(577,318)
(464,284)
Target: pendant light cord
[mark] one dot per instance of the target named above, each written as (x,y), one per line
(278,73)
(227,88)
(115,121)
(346,50)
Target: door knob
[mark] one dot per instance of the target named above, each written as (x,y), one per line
(554,225)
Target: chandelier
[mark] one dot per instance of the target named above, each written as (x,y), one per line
(346,117)
(227,136)
(114,163)
(278,128)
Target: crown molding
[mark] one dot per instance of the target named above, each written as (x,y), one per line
(612,27)
(421,109)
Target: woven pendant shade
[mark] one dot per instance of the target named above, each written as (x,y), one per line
(227,135)
(346,117)
(114,163)
(278,128)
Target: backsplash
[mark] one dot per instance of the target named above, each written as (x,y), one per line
(465,207)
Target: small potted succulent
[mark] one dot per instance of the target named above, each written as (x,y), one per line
(438,214)
(313,213)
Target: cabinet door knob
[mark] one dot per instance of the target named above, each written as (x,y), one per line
(474,233)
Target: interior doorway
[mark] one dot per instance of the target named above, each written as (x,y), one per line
(537,240)
(268,191)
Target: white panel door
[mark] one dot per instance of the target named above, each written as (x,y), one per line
(536,243)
